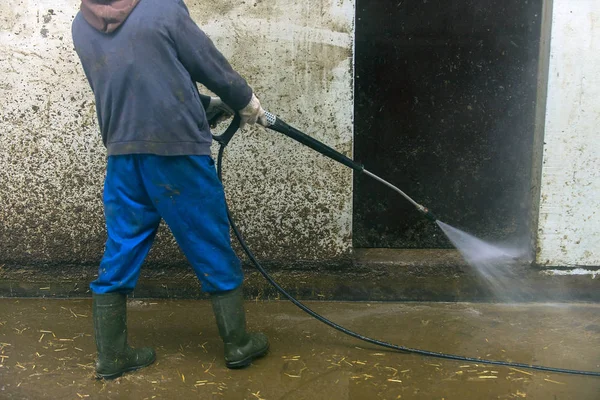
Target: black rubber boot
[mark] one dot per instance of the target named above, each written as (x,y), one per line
(110,327)
(241,347)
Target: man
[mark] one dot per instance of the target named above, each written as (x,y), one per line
(142,59)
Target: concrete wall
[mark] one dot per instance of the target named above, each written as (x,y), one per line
(569,221)
(292,203)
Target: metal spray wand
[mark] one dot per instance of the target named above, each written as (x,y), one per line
(278,125)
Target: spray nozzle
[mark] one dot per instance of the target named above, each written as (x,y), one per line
(431,216)
(427,213)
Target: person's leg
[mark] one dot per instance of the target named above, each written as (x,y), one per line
(190,198)
(132,222)
(240,346)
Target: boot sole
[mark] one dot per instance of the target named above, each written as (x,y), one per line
(120,373)
(248,360)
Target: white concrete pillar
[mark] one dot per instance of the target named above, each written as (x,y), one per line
(569,220)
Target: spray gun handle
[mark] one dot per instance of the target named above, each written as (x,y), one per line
(226,136)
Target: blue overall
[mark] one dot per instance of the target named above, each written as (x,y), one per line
(139,190)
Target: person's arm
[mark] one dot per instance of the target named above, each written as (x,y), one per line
(204,61)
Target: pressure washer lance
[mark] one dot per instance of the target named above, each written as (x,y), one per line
(278,125)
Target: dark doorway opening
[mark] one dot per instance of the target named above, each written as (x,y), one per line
(445,106)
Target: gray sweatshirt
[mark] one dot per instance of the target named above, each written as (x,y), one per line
(143,76)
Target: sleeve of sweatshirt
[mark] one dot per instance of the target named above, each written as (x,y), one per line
(204,62)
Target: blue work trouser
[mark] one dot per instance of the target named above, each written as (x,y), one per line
(139,190)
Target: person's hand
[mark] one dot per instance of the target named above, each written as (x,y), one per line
(217,111)
(252,113)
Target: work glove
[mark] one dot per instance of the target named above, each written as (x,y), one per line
(217,111)
(252,113)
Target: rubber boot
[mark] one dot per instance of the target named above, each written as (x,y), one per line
(110,327)
(241,347)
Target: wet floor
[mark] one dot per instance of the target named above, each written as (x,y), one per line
(47,352)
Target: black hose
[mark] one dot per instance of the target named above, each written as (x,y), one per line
(340,328)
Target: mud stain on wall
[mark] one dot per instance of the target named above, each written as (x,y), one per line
(291,203)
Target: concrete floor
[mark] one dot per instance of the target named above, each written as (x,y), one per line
(47,352)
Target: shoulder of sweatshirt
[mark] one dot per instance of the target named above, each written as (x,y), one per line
(76,25)
(79,29)
(165,11)
(162,17)
(153,13)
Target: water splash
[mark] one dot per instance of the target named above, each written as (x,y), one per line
(495,264)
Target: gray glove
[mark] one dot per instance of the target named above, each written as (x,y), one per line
(253,113)
(217,107)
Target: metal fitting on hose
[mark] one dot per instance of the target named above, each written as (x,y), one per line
(428,214)
(271,118)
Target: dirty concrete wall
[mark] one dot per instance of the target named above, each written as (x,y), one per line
(569,220)
(292,203)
